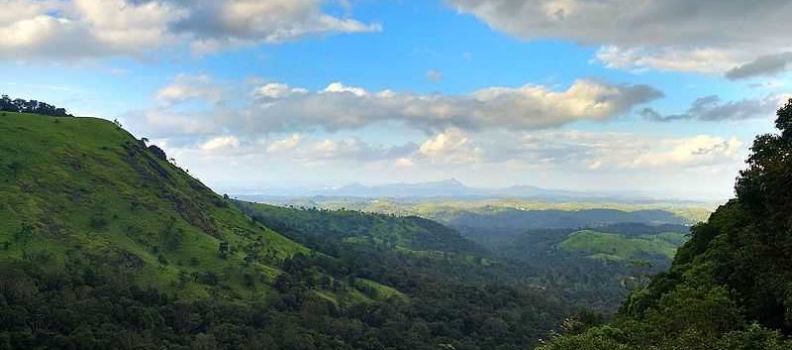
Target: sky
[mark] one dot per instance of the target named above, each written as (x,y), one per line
(661,96)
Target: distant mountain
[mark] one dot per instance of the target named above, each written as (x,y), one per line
(449,189)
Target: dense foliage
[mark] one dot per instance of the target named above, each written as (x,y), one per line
(409,233)
(106,245)
(729,287)
(24,106)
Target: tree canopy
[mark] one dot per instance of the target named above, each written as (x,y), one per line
(31,106)
(729,286)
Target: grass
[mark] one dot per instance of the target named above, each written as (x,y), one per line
(85,189)
(610,246)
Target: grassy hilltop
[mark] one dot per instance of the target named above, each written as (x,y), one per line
(79,189)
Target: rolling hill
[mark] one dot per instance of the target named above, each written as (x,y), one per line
(104,244)
(80,189)
(403,233)
(611,246)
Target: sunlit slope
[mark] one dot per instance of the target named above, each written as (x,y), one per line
(611,246)
(84,190)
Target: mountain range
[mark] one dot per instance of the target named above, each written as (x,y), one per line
(450,189)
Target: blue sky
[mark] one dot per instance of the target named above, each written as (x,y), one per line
(573,94)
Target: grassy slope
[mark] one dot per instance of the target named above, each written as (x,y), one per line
(82,189)
(610,246)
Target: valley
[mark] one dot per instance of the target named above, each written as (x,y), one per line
(158,260)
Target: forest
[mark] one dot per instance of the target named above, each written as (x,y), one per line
(105,244)
(729,285)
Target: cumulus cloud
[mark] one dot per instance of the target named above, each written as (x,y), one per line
(217,24)
(712,108)
(220,143)
(677,35)
(279,108)
(77,29)
(601,151)
(284,145)
(451,146)
(83,28)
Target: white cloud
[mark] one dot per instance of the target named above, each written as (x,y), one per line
(701,60)
(450,146)
(188,87)
(699,150)
(404,162)
(281,108)
(83,28)
(549,158)
(277,91)
(287,144)
(216,24)
(277,108)
(220,143)
(338,87)
(581,152)
(708,36)
(78,29)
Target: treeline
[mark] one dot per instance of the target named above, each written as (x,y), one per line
(31,106)
(729,286)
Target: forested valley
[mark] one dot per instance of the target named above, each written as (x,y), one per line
(105,243)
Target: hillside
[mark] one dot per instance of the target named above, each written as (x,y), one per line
(729,285)
(104,244)
(79,188)
(611,246)
(403,233)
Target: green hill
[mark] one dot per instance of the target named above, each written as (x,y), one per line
(79,189)
(729,286)
(403,233)
(611,246)
(104,244)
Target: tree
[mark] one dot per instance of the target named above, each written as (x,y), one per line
(223,249)
(23,106)
(158,152)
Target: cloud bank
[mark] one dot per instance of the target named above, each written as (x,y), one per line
(78,29)
(708,36)
(278,107)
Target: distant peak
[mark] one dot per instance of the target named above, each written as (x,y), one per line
(452,181)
